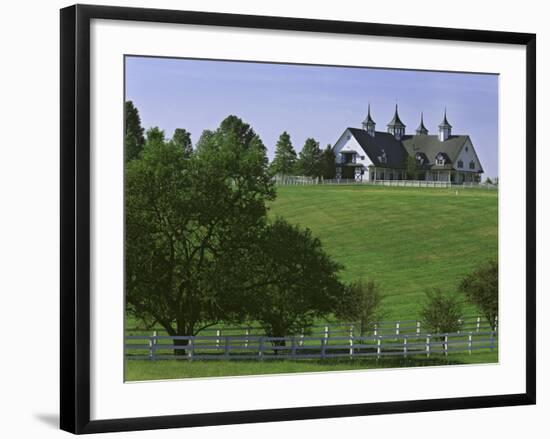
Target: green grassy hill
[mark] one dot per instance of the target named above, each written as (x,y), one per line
(408,239)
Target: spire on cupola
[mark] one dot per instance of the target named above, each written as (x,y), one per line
(395,126)
(368,124)
(444,128)
(421,130)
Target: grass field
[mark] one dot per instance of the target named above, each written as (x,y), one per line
(138,370)
(407,239)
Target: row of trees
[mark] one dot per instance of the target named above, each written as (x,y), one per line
(312,161)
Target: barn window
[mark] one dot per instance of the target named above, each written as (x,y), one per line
(472,165)
(348,157)
(460,164)
(439,160)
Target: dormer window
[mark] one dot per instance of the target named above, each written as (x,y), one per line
(419,159)
(440,160)
(460,164)
(472,165)
(382,158)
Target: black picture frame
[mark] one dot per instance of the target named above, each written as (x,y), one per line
(75,217)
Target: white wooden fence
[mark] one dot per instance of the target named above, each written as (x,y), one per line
(296,347)
(289,180)
(335,329)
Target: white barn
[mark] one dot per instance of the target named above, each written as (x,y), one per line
(367,154)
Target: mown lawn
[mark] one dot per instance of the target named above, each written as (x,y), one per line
(139,370)
(407,239)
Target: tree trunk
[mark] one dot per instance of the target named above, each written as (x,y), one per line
(180,346)
(276,343)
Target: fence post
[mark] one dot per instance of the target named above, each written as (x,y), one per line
(218,334)
(470,343)
(151,348)
(496,324)
(326,331)
(459,325)
(396,328)
(492,340)
(261,348)
(428,346)
(405,346)
(351,341)
(190,348)
(247,333)
(378,349)
(375,332)
(226,347)
(478,325)
(446,344)
(302,338)
(418,326)
(323,347)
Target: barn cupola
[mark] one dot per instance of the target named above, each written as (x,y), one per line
(369,125)
(396,127)
(421,130)
(444,128)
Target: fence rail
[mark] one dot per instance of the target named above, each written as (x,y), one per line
(303,180)
(141,347)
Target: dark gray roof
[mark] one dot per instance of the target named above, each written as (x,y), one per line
(428,146)
(396,121)
(431,146)
(382,143)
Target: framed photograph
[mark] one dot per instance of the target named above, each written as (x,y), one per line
(274,218)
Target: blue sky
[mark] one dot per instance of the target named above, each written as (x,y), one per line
(311,101)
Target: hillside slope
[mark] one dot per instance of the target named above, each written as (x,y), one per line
(407,239)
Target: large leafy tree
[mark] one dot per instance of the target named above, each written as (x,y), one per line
(309,159)
(190,226)
(182,139)
(284,162)
(481,289)
(298,281)
(133,132)
(327,163)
